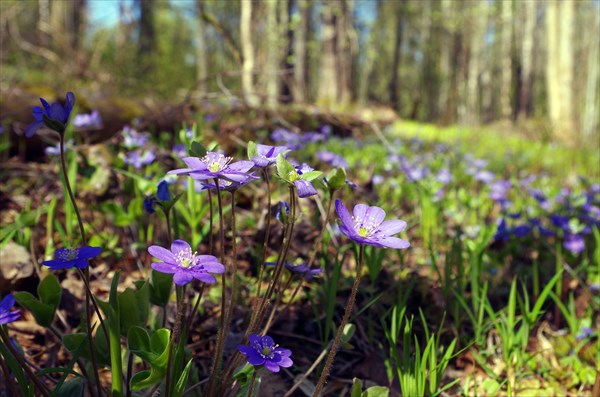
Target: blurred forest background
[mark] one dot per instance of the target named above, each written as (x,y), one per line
(530,65)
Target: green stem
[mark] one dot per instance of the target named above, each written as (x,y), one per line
(116,364)
(340,331)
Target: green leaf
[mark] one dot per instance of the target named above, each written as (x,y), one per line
(197,149)
(336,179)
(159,344)
(252,151)
(134,307)
(180,386)
(311,175)
(42,312)
(356,388)
(376,391)
(138,340)
(284,168)
(72,388)
(49,290)
(160,288)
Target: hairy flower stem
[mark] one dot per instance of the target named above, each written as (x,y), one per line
(251,385)
(175,336)
(267,232)
(194,310)
(210,223)
(234,260)
(278,299)
(86,275)
(168,218)
(222,331)
(38,383)
(273,318)
(319,242)
(258,315)
(340,331)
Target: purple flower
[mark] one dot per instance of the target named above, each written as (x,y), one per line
(53,116)
(484,176)
(215,165)
(367,226)
(444,176)
(85,120)
(574,243)
(331,158)
(228,185)
(584,332)
(138,160)
(72,257)
(7,315)
(132,138)
(149,203)
(291,139)
(162,192)
(262,350)
(303,270)
(499,190)
(179,150)
(266,155)
(185,265)
(55,150)
(282,212)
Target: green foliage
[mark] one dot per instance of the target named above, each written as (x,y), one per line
(44,308)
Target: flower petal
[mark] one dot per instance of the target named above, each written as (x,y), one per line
(182,277)
(165,267)
(45,104)
(285,362)
(87,252)
(261,162)
(394,242)
(204,277)
(271,366)
(7,302)
(374,216)
(240,166)
(245,349)
(360,211)
(70,103)
(162,253)
(267,341)
(214,267)
(305,188)
(392,227)
(256,359)
(195,163)
(344,215)
(57,112)
(181,248)
(32,128)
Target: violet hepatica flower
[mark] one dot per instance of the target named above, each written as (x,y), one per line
(262,350)
(53,116)
(215,165)
(367,226)
(7,315)
(574,243)
(264,155)
(88,120)
(72,257)
(138,160)
(184,264)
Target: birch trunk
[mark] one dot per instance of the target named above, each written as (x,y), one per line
(247,52)
(506,59)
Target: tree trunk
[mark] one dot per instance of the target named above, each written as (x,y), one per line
(201,50)
(506,59)
(529,11)
(395,72)
(247,53)
(328,84)
(559,68)
(590,115)
(147,38)
(476,52)
(446,45)
(343,57)
(272,55)
(300,44)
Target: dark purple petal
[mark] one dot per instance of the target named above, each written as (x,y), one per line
(305,188)
(392,227)
(165,267)
(87,252)
(38,113)
(9,317)
(245,349)
(181,248)
(182,277)
(45,104)
(162,253)
(267,341)
(57,112)
(32,128)
(81,263)
(394,242)
(53,263)
(70,103)
(255,358)
(7,302)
